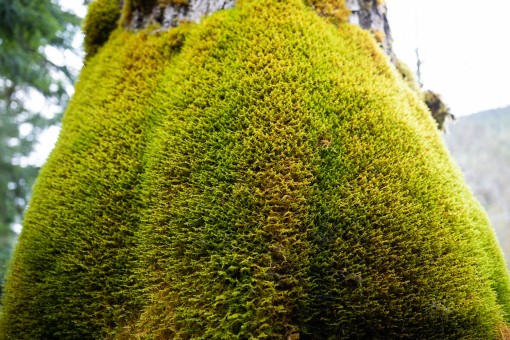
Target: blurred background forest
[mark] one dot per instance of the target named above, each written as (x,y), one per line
(40,57)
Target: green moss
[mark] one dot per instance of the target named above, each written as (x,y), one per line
(78,237)
(334,11)
(102,18)
(272,179)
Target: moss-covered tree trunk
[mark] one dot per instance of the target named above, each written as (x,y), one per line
(264,174)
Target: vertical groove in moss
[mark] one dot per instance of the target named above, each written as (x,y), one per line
(236,213)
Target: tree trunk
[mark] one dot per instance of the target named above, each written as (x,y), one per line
(368,14)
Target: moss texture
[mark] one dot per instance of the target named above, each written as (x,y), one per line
(101,20)
(335,11)
(264,174)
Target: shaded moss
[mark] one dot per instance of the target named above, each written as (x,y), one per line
(437,108)
(102,18)
(77,243)
(273,178)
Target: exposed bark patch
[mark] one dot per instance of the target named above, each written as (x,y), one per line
(171,14)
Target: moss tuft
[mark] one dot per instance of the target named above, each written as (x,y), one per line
(379,36)
(102,18)
(440,112)
(335,11)
(438,109)
(264,174)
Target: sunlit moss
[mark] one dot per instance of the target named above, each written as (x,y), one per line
(78,234)
(264,174)
(440,112)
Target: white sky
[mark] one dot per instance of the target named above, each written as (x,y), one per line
(463,46)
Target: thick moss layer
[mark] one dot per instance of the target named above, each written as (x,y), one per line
(71,276)
(273,179)
(101,20)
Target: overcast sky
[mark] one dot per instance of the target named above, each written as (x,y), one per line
(463,45)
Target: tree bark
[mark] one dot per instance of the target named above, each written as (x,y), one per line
(368,14)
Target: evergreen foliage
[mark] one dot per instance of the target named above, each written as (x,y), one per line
(264,174)
(26,29)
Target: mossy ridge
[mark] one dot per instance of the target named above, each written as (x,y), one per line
(73,260)
(377,262)
(228,196)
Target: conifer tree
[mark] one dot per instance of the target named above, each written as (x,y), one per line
(26,29)
(265,173)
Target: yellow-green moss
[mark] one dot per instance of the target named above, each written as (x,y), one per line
(273,179)
(78,235)
(379,36)
(102,18)
(334,11)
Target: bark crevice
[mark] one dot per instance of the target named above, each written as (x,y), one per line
(170,15)
(370,15)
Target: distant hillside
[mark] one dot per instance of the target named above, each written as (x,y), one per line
(481,145)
